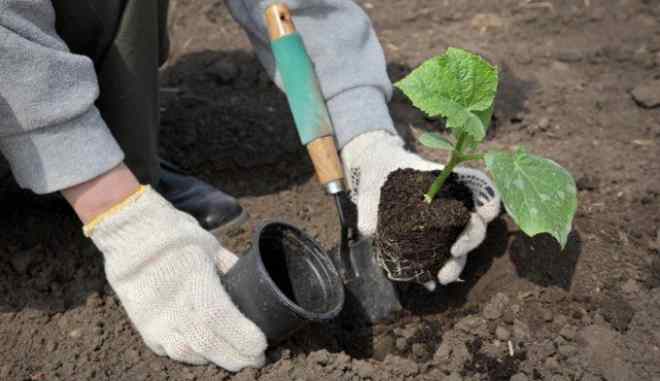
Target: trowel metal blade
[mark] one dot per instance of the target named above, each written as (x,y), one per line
(369,293)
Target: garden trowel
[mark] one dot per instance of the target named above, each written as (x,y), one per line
(368,291)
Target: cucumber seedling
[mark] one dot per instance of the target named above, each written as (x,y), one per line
(460,87)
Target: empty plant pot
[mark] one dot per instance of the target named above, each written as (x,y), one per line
(284,281)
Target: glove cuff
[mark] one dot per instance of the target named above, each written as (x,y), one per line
(88,229)
(143,230)
(364,144)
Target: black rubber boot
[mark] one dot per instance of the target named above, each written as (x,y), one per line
(215,210)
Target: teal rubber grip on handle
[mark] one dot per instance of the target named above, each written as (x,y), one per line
(302,88)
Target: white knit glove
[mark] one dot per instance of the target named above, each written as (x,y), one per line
(163,267)
(369,159)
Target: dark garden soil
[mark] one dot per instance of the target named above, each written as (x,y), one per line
(413,238)
(579,86)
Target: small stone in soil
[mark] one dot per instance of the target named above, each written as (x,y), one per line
(442,353)
(519,377)
(543,123)
(188,375)
(644,59)
(590,377)
(401,344)
(508,316)
(321,357)
(559,340)
(647,94)
(567,350)
(587,183)
(494,309)
(363,369)
(502,333)
(548,349)
(471,324)
(630,287)
(402,366)
(561,320)
(570,55)
(132,356)
(547,316)
(578,314)
(520,330)
(454,377)
(420,350)
(157,365)
(552,363)
(568,332)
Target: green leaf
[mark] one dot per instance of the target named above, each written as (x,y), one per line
(459,86)
(474,127)
(537,193)
(485,116)
(470,144)
(435,140)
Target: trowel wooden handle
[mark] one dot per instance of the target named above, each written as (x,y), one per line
(279,21)
(304,94)
(327,165)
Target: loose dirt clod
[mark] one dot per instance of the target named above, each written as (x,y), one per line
(495,308)
(647,94)
(502,333)
(495,369)
(413,237)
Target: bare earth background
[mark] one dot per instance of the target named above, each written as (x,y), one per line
(580,83)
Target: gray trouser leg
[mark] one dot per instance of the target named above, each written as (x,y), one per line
(127,40)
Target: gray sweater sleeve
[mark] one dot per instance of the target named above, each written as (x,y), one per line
(347,56)
(50,131)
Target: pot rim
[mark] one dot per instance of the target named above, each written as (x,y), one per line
(319,253)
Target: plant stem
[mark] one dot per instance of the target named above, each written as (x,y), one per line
(456,158)
(477,156)
(440,180)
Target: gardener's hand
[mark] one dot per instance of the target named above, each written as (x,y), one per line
(163,267)
(369,159)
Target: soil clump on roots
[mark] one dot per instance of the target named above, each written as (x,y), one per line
(414,237)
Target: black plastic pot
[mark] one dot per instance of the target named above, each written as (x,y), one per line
(284,281)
